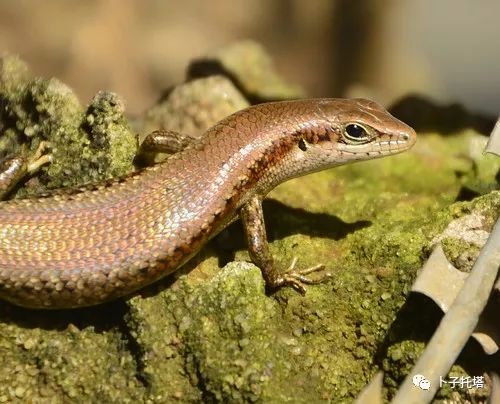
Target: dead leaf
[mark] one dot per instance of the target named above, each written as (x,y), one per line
(441,281)
(372,393)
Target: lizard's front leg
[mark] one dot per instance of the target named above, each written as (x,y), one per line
(253,222)
(15,169)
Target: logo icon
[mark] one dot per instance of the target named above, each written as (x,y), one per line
(421,382)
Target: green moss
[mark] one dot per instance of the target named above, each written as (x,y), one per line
(95,145)
(87,146)
(112,144)
(399,361)
(231,311)
(61,365)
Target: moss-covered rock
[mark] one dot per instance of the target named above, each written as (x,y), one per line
(87,145)
(251,69)
(60,357)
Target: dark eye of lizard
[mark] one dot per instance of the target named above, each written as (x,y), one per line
(355,132)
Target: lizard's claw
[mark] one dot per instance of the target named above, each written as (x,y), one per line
(39,158)
(297,279)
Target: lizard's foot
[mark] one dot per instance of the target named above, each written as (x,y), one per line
(298,278)
(39,158)
(15,169)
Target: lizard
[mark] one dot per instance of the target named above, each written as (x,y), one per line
(109,240)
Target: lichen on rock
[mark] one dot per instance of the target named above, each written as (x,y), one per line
(87,145)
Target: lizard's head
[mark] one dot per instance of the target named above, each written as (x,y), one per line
(356,129)
(305,136)
(340,131)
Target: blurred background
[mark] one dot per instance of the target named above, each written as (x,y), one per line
(447,49)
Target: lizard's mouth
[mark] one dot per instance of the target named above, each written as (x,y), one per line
(395,145)
(387,145)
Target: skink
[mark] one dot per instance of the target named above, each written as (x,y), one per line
(82,249)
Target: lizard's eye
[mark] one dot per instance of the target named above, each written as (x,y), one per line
(355,132)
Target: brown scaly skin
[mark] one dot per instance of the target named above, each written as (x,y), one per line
(82,249)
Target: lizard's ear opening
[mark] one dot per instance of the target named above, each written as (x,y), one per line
(302,145)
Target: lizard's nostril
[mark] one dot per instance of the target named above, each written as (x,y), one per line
(406,136)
